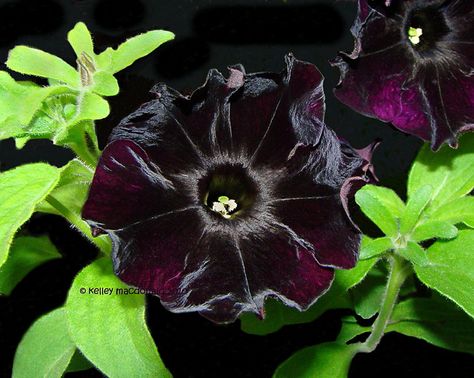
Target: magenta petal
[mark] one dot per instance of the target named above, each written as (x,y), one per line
(422,87)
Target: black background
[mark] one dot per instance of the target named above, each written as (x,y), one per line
(209,33)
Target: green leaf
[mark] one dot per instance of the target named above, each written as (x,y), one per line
(382,206)
(367,296)
(46,348)
(449,171)
(414,253)
(457,211)
(92,107)
(434,229)
(374,247)
(80,40)
(26,253)
(21,189)
(110,330)
(136,48)
(327,360)
(72,188)
(105,84)
(351,329)
(19,101)
(449,269)
(278,315)
(78,363)
(417,202)
(435,321)
(30,61)
(348,278)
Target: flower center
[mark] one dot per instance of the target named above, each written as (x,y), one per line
(228,191)
(425,28)
(224,206)
(414,35)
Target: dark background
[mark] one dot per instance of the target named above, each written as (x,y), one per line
(209,33)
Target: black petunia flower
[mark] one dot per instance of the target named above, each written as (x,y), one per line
(413,66)
(238,192)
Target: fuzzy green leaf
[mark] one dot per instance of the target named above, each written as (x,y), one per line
(449,269)
(110,330)
(461,210)
(78,363)
(414,253)
(436,321)
(382,206)
(105,84)
(21,189)
(374,247)
(92,107)
(449,171)
(136,48)
(417,202)
(46,348)
(19,101)
(72,188)
(26,253)
(327,360)
(30,61)
(367,296)
(80,40)
(434,229)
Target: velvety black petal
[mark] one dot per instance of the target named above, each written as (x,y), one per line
(151,254)
(216,200)
(424,91)
(127,187)
(286,271)
(265,112)
(213,281)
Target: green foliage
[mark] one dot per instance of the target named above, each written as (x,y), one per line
(327,360)
(367,296)
(436,321)
(26,253)
(65,110)
(72,188)
(30,61)
(450,269)
(48,343)
(110,329)
(449,171)
(382,206)
(21,189)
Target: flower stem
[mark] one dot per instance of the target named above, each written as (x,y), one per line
(102,243)
(399,270)
(87,156)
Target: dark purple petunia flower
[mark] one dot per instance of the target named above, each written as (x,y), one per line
(238,192)
(413,66)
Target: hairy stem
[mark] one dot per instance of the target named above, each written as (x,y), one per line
(398,273)
(102,243)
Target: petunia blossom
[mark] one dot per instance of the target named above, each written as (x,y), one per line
(217,200)
(413,66)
